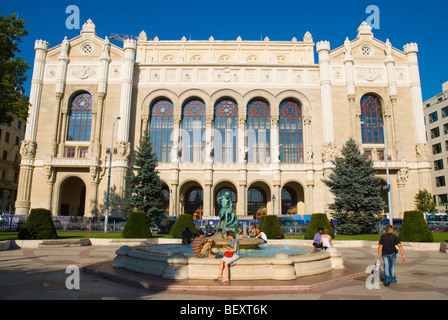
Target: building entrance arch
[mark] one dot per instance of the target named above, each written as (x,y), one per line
(72,197)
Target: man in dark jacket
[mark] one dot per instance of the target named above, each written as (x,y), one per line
(387,250)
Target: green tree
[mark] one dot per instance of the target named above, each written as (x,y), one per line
(356,191)
(13,101)
(145,185)
(424,201)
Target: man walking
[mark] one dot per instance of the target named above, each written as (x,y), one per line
(387,250)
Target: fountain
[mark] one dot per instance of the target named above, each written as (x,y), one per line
(258,261)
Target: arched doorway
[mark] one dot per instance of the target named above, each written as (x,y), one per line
(258,196)
(293,200)
(72,199)
(194,202)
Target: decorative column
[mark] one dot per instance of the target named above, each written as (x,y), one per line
(242,167)
(355,115)
(60,88)
(175,158)
(208,165)
(329,148)
(402,178)
(392,143)
(309,160)
(28,146)
(421,147)
(123,146)
(102,91)
(275,165)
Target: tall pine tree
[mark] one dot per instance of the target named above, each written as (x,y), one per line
(145,185)
(356,191)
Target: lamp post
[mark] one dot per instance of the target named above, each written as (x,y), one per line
(106,220)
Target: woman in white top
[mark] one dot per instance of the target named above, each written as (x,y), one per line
(325,240)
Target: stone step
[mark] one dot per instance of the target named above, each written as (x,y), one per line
(59,243)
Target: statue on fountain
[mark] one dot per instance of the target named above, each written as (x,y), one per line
(227,218)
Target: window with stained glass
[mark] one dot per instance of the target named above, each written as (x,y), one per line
(193,131)
(371,120)
(80,118)
(258,132)
(290,132)
(161,129)
(226,132)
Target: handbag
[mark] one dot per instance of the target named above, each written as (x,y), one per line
(228,254)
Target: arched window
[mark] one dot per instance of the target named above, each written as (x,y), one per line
(290,132)
(371,120)
(258,132)
(193,131)
(80,118)
(161,129)
(226,132)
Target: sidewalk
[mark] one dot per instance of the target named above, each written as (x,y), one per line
(39,273)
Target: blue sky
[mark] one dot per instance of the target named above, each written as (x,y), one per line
(401,21)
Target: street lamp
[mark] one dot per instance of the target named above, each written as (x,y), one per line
(106,220)
(387,175)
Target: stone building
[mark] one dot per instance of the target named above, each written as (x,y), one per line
(259,119)
(436,121)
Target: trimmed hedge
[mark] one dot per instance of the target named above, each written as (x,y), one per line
(39,225)
(415,228)
(318,220)
(271,226)
(137,226)
(183,221)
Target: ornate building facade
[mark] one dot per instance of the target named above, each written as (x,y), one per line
(259,119)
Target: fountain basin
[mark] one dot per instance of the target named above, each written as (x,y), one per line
(179,266)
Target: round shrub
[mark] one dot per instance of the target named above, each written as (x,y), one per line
(183,221)
(39,225)
(137,226)
(415,228)
(318,220)
(271,226)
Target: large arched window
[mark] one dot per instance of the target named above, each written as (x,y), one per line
(193,131)
(226,132)
(258,132)
(290,132)
(80,118)
(161,129)
(371,120)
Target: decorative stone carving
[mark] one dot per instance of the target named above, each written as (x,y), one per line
(348,49)
(309,153)
(422,151)
(307,37)
(94,174)
(402,176)
(105,51)
(83,72)
(243,153)
(28,149)
(329,152)
(142,36)
(369,74)
(123,150)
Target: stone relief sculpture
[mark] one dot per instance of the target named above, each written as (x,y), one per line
(422,151)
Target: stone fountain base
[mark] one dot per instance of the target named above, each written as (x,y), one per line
(180,267)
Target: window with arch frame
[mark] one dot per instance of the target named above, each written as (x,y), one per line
(193,131)
(80,117)
(290,132)
(258,139)
(226,132)
(371,120)
(161,129)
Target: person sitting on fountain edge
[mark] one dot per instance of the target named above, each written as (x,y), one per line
(202,245)
(186,236)
(262,235)
(317,238)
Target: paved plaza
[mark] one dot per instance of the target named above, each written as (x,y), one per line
(40,273)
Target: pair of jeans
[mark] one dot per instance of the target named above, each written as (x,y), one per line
(389,267)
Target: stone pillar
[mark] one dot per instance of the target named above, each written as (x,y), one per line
(309,160)
(422,148)
(28,146)
(402,177)
(123,146)
(60,88)
(392,141)
(355,131)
